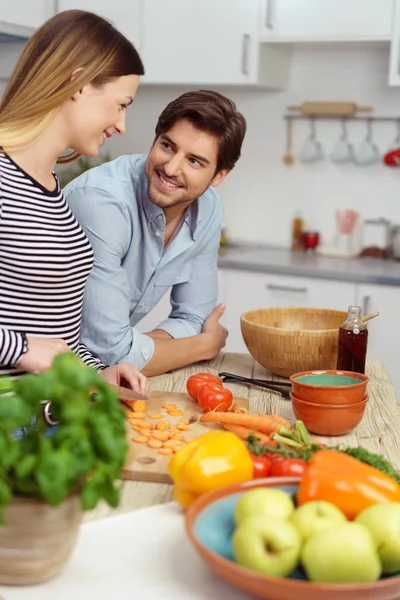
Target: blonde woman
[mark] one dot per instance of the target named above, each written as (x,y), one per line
(69,91)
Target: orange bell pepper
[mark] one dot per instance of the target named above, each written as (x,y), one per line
(348,483)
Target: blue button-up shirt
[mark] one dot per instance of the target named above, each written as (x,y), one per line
(132,271)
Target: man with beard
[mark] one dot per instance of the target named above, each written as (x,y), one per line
(154,222)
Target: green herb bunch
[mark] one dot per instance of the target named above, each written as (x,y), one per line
(85,454)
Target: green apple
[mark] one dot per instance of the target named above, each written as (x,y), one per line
(314,516)
(383,523)
(271,546)
(342,554)
(263,502)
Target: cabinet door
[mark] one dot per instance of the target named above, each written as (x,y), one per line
(383,338)
(125,15)
(247,291)
(22,12)
(211,42)
(326,20)
(394,63)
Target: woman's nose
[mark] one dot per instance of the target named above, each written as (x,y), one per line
(120,125)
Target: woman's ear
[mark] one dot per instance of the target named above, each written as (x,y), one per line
(74,75)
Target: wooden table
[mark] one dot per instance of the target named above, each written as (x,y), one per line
(379,430)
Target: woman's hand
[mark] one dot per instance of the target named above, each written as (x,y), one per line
(123,374)
(40,354)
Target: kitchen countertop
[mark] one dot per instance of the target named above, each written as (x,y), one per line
(378,431)
(264,259)
(109,562)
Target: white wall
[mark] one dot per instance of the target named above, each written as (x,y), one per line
(261,194)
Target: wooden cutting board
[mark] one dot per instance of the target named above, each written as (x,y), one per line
(144,463)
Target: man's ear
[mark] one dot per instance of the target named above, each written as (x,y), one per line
(219,177)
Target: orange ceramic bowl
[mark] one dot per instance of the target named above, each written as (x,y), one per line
(329,419)
(329,387)
(209,525)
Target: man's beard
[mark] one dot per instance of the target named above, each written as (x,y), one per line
(158,198)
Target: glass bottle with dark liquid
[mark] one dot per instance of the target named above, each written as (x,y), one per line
(353,340)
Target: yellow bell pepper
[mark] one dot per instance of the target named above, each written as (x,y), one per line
(211,461)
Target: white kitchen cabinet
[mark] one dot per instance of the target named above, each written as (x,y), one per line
(246,291)
(383,336)
(125,15)
(209,42)
(16,15)
(326,20)
(394,61)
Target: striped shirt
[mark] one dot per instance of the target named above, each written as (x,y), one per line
(45,260)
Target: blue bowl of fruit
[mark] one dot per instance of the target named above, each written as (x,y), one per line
(255,537)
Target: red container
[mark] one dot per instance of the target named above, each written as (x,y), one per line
(310,240)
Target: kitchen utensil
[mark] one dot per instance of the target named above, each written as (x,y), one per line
(312,148)
(210,523)
(370,316)
(310,240)
(367,151)
(346,221)
(274,386)
(329,419)
(288,157)
(376,238)
(145,464)
(289,339)
(329,387)
(392,156)
(343,150)
(127,394)
(348,109)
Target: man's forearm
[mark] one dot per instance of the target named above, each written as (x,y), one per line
(170,354)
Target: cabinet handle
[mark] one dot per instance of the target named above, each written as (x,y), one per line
(245,53)
(269,14)
(286,288)
(365,304)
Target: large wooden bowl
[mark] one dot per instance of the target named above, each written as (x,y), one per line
(287,340)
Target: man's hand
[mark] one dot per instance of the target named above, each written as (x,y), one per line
(123,374)
(215,333)
(40,354)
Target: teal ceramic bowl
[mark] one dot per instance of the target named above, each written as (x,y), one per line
(210,524)
(329,387)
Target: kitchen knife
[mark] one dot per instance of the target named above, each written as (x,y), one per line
(127,394)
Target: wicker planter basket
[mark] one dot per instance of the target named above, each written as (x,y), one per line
(287,340)
(37,539)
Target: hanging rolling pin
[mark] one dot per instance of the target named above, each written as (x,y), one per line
(331,109)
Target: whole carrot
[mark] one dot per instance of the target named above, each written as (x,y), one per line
(267,424)
(244,432)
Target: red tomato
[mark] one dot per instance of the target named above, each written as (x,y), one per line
(288,466)
(214,397)
(195,382)
(262,466)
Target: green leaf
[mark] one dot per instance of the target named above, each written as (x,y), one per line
(14,412)
(90,495)
(26,465)
(5,493)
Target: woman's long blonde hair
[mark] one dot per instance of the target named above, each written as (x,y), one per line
(73,41)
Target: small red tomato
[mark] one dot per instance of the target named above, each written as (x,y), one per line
(262,466)
(214,397)
(195,382)
(288,466)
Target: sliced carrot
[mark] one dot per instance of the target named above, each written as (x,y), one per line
(154,444)
(155,416)
(182,427)
(169,406)
(160,435)
(139,406)
(145,425)
(171,443)
(141,439)
(161,425)
(175,413)
(138,415)
(165,451)
(183,422)
(136,428)
(178,436)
